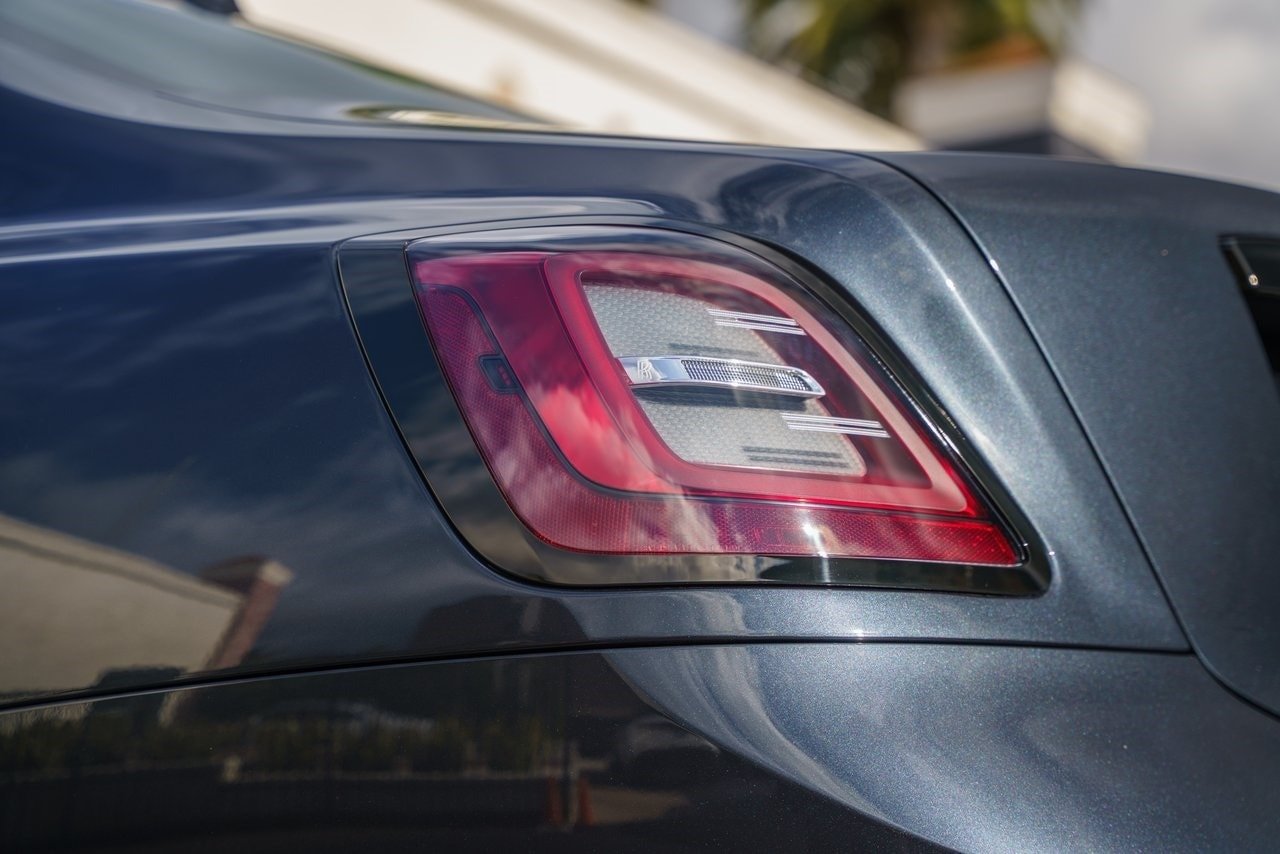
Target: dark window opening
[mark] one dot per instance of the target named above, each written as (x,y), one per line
(1257,264)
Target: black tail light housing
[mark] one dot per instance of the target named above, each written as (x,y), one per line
(597,406)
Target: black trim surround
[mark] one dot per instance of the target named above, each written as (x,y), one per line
(379,291)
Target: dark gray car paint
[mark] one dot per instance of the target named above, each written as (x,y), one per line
(988,748)
(1120,275)
(871,231)
(815,747)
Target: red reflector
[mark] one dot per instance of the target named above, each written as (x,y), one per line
(628,402)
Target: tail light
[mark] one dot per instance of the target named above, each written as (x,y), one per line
(633,397)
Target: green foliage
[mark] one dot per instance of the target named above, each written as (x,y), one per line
(514,745)
(445,749)
(40,746)
(863,49)
(306,745)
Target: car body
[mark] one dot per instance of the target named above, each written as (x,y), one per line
(247,602)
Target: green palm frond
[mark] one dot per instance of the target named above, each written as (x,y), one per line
(862,49)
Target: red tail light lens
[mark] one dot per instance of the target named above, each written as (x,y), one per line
(632,400)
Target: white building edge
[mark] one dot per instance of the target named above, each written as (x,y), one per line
(594,65)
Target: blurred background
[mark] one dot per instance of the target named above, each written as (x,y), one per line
(1190,85)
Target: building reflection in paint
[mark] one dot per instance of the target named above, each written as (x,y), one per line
(85,614)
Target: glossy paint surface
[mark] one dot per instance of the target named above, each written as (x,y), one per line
(548,753)
(724,748)
(184,385)
(1192,450)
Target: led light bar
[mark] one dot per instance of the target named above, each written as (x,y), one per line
(758,322)
(826,424)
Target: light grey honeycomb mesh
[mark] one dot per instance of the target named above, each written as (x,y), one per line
(728,372)
(738,436)
(638,322)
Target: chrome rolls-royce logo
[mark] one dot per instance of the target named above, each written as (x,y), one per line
(646,372)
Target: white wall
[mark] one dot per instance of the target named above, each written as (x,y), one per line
(71,610)
(599,65)
(1208,71)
